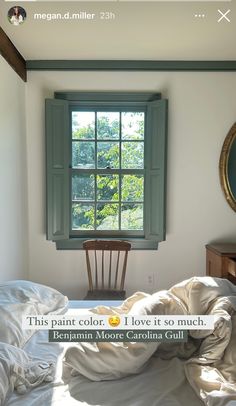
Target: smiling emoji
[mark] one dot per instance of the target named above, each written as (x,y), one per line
(114,321)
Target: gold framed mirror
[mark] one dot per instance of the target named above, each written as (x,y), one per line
(227,167)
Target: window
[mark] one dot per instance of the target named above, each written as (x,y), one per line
(107,179)
(106,157)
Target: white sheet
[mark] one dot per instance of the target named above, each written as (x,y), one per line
(210,354)
(145,389)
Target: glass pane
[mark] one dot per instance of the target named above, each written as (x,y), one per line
(132,155)
(108,125)
(82,216)
(108,155)
(83,154)
(108,187)
(132,216)
(107,217)
(83,124)
(83,187)
(132,188)
(132,126)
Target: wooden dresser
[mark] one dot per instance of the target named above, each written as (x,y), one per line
(221,261)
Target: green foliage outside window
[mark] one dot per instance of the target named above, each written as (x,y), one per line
(107,201)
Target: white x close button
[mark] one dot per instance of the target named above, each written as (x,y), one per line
(224,16)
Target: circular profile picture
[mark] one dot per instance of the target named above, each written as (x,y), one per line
(16,15)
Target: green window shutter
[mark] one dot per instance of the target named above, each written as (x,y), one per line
(57,153)
(155,170)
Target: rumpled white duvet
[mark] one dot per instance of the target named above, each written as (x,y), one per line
(20,372)
(18,369)
(210,356)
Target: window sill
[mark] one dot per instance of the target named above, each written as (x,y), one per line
(77,243)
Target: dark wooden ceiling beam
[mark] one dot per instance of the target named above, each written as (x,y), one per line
(12,55)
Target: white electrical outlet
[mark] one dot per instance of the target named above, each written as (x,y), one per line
(151,283)
(150,280)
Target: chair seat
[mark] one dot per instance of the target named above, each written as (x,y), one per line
(105,295)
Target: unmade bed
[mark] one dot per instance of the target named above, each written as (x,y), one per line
(162,383)
(162,380)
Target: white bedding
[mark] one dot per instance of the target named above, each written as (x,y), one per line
(20,298)
(210,355)
(208,374)
(148,388)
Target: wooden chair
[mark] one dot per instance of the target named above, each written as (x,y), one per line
(106,266)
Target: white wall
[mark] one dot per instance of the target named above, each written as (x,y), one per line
(202,108)
(13,176)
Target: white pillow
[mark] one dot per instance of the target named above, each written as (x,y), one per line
(21,298)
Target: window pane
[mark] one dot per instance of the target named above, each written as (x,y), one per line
(82,216)
(132,217)
(108,125)
(83,154)
(108,187)
(132,126)
(132,188)
(132,155)
(108,155)
(107,217)
(83,124)
(83,187)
